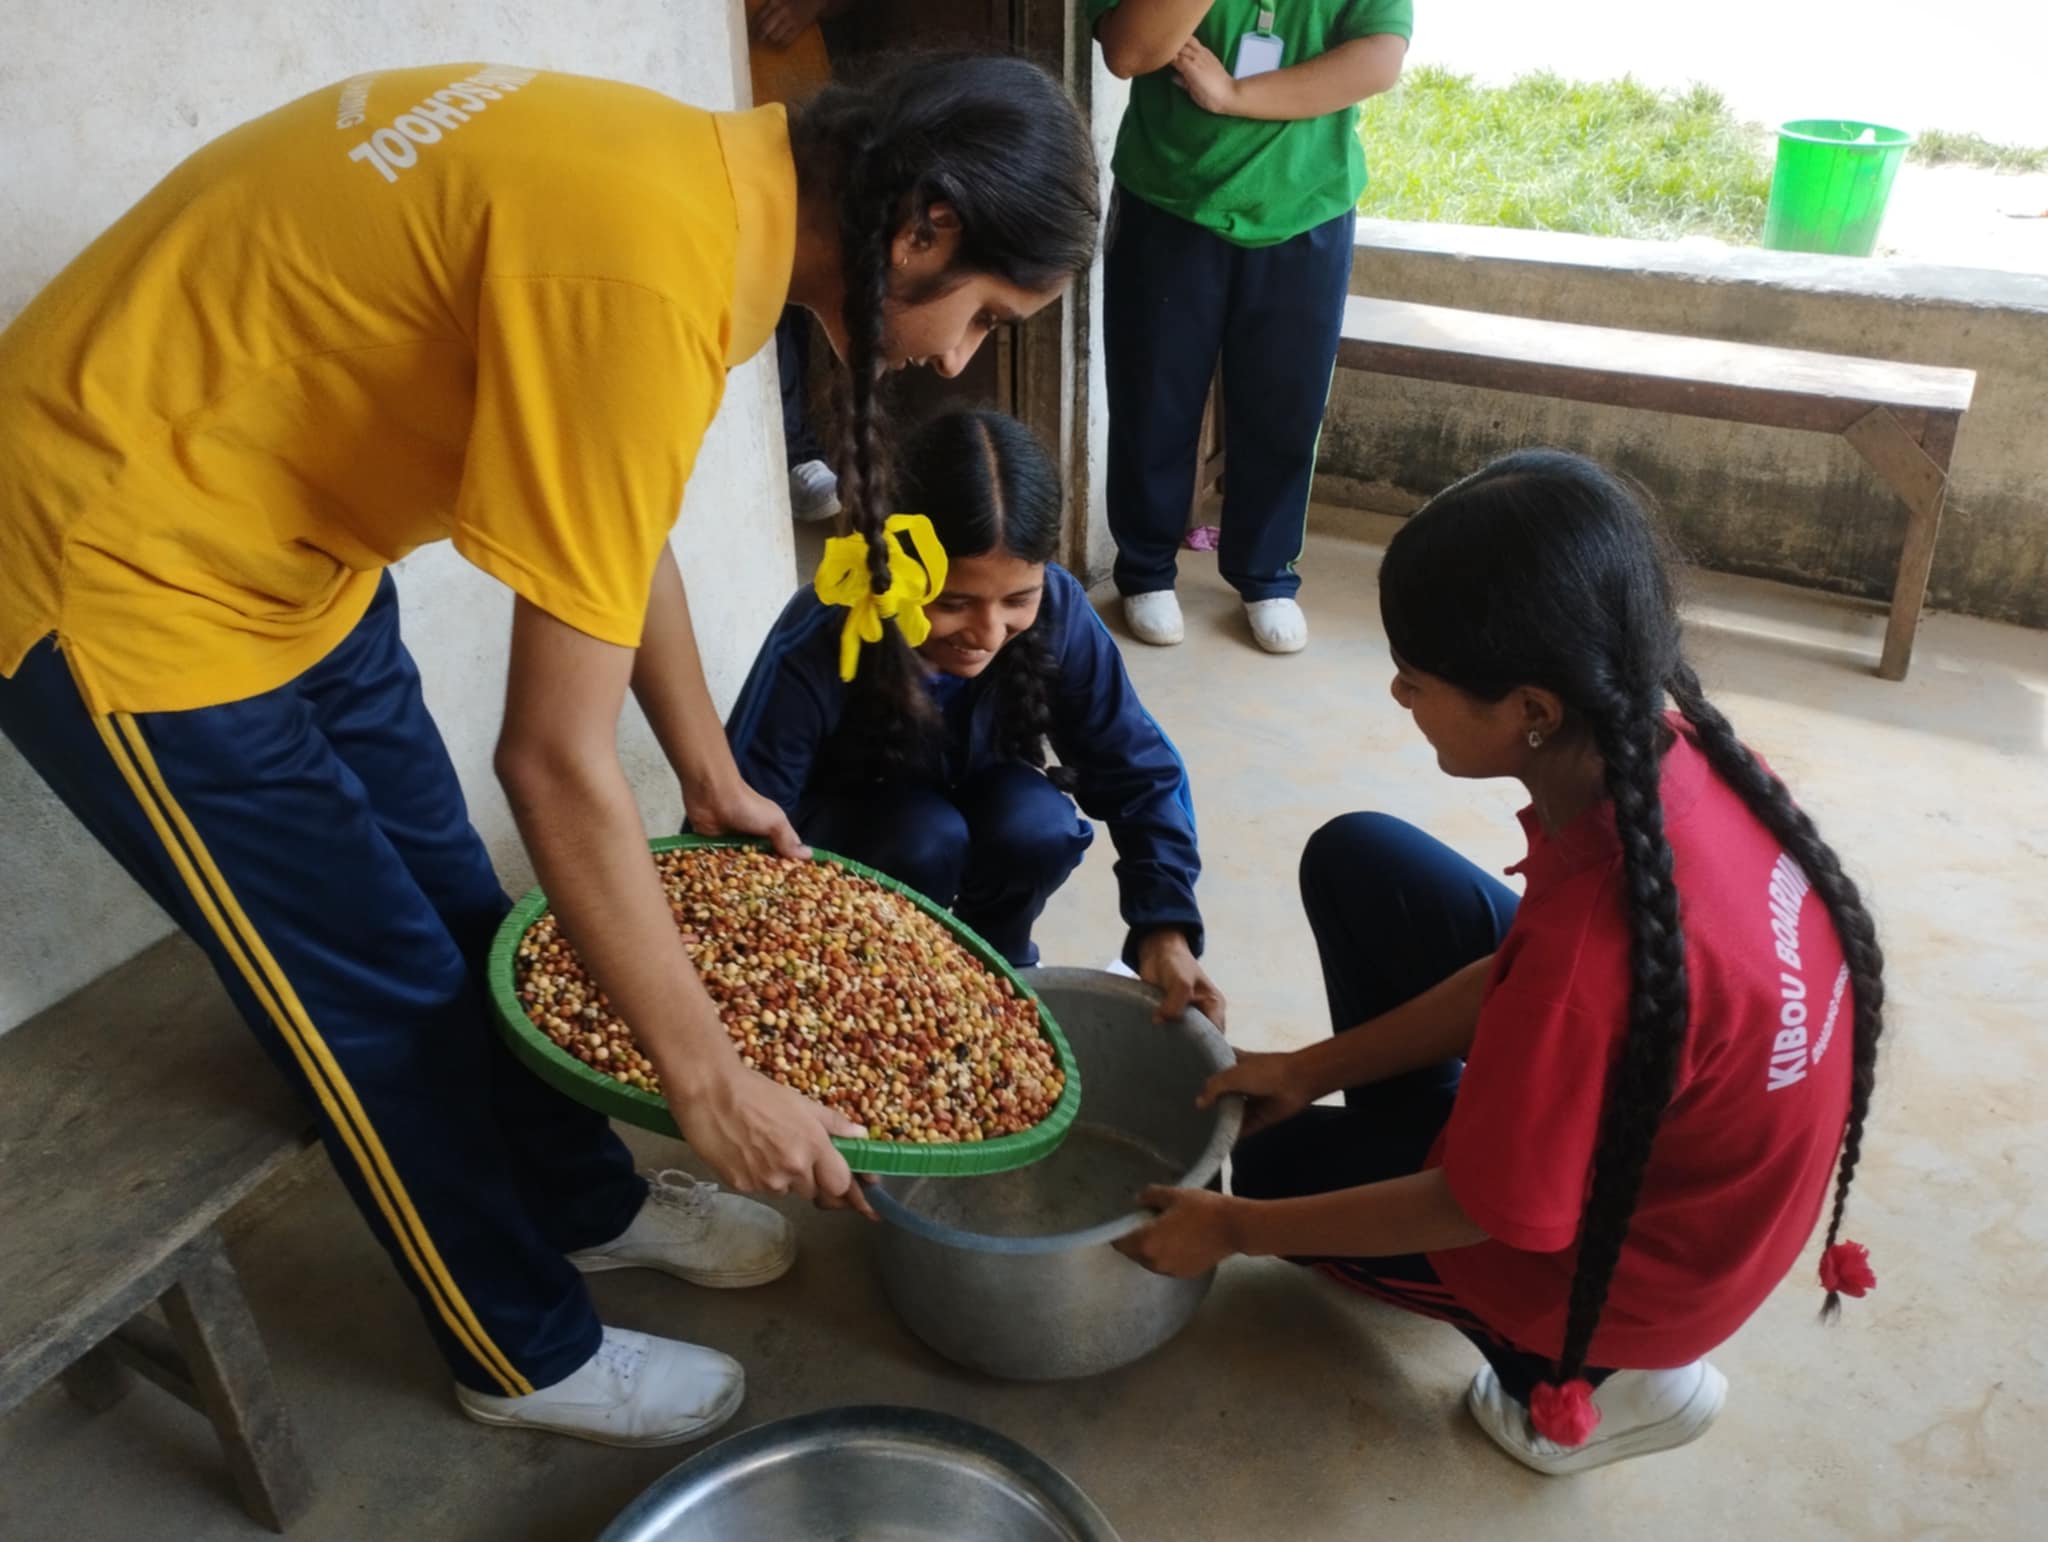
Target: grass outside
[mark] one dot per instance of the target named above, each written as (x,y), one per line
(1605,158)
(1939,147)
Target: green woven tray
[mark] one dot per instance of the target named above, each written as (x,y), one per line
(617,1100)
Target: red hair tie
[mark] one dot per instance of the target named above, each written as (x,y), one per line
(1565,1415)
(1845,1270)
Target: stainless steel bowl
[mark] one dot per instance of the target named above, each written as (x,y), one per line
(1014,1273)
(863,1475)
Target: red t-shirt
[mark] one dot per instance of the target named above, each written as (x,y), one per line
(1745,1154)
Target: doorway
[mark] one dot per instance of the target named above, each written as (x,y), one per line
(1037,372)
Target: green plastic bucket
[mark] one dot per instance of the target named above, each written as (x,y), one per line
(1832,180)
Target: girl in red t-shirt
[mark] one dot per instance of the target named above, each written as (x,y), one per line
(1592,1126)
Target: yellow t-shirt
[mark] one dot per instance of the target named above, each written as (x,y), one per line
(470,302)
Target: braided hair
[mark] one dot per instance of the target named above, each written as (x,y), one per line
(1543,569)
(1772,803)
(987,485)
(998,141)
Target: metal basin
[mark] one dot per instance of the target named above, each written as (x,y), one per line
(863,1475)
(1013,1274)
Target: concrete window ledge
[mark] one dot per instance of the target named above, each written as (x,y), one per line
(1768,502)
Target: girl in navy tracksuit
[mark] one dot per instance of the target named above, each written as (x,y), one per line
(931,765)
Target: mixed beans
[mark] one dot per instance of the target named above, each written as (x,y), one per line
(830,984)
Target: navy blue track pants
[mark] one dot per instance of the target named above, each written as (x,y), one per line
(314,840)
(1176,298)
(993,850)
(1394,912)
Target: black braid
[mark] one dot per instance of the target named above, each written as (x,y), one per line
(1771,801)
(868,223)
(868,210)
(1630,739)
(1024,673)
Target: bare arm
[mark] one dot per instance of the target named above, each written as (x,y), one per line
(1141,36)
(1432,1028)
(668,682)
(1340,78)
(558,760)
(1415,1214)
(560,768)
(1426,1031)
(1197,1229)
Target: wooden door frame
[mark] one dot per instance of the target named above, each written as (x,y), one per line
(1045,376)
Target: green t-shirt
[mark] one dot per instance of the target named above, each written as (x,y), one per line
(1251,181)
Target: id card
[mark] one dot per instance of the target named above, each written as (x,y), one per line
(1257,52)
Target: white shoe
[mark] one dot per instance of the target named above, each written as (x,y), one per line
(637,1390)
(813,492)
(1640,1412)
(1278,626)
(1154,617)
(694,1231)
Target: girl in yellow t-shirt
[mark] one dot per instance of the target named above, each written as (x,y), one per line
(495,306)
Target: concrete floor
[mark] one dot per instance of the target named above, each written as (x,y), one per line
(1290,1409)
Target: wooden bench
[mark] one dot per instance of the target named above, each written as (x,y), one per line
(1902,418)
(134,1116)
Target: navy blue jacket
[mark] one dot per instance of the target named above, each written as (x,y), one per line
(1127,772)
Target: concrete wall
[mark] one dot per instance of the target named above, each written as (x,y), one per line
(1774,503)
(1107,98)
(92,114)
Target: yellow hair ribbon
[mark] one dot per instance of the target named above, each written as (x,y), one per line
(914,582)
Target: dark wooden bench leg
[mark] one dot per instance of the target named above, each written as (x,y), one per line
(97,1380)
(224,1356)
(1917,470)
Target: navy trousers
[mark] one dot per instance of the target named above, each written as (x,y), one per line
(315,842)
(1394,912)
(792,362)
(1175,298)
(993,850)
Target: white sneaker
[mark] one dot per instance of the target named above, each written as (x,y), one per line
(1278,626)
(1640,1412)
(813,492)
(637,1390)
(1154,617)
(694,1231)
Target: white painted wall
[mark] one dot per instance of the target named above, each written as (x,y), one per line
(94,108)
(1107,99)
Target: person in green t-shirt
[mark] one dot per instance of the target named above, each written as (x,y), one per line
(1238,169)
